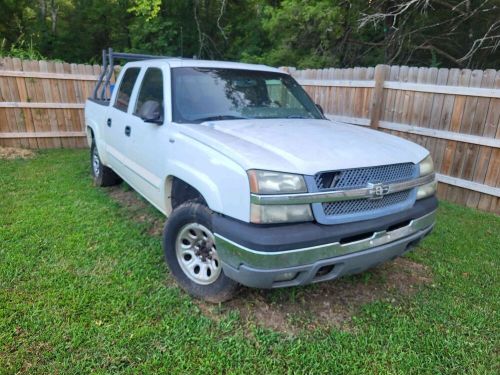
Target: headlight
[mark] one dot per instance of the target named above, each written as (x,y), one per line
(272,214)
(426,166)
(427,190)
(266,182)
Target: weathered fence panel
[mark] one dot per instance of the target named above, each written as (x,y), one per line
(454,113)
(41,102)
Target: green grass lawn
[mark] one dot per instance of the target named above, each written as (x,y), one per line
(83,289)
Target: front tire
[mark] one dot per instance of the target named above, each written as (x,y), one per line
(191,254)
(102,175)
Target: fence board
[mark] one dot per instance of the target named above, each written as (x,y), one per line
(462,154)
(473,166)
(438,104)
(47,92)
(50,134)
(25,118)
(7,122)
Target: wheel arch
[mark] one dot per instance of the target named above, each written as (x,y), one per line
(90,135)
(178,191)
(94,135)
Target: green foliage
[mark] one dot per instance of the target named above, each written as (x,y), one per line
(83,290)
(20,49)
(304,33)
(145,8)
(301,33)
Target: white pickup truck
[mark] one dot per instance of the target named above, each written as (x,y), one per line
(259,188)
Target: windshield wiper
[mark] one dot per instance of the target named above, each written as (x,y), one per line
(220,118)
(297,116)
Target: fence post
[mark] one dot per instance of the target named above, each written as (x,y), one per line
(381,73)
(288,69)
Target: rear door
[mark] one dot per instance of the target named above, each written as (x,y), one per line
(116,132)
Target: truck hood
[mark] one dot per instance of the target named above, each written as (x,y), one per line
(304,146)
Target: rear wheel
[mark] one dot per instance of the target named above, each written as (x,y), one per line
(103,176)
(191,254)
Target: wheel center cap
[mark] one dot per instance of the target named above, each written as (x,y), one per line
(203,251)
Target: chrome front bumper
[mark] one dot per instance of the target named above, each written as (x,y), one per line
(234,254)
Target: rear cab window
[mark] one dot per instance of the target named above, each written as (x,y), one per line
(125,90)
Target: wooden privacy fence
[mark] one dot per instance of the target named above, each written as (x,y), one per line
(454,113)
(41,102)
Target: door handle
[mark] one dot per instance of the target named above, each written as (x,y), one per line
(109,122)
(127,131)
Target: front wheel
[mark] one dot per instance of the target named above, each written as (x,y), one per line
(191,254)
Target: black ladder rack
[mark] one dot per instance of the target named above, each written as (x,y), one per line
(108,60)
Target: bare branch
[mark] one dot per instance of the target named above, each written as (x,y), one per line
(221,13)
(440,52)
(394,12)
(374,44)
(478,43)
(454,8)
(200,34)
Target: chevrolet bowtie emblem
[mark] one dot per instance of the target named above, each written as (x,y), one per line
(378,190)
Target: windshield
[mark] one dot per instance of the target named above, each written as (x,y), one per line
(203,94)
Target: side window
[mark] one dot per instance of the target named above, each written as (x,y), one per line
(149,103)
(126,87)
(281,96)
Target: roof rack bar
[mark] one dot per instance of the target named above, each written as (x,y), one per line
(109,74)
(136,56)
(101,75)
(108,61)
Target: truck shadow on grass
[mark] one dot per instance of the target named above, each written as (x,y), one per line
(291,310)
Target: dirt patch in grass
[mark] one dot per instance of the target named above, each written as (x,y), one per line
(10,153)
(139,209)
(290,310)
(324,305)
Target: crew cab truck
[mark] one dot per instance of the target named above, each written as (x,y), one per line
(259,188)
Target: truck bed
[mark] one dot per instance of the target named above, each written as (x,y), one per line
(96,112)
(99,101)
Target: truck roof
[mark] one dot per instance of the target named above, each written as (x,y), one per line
(176,62)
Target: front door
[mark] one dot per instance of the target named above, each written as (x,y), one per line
(149,145)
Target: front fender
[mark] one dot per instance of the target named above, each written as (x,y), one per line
(221,181)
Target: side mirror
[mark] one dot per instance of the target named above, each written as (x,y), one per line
(151,111)
(320,108)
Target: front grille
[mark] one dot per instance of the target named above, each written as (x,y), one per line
(361,209)
(362,205)
(360,177)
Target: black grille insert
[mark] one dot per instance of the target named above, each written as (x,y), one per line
(360,177)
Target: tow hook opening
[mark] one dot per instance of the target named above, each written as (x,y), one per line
(411,245)
(325,270)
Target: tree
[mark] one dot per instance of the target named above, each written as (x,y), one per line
(446,32)
(303,33)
